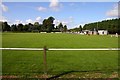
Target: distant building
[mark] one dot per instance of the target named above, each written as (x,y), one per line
(103,32)
(100,32)
(86,31)
(90,32)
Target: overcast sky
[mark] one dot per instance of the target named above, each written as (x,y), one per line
(72,14)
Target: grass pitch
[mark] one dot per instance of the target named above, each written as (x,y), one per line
(57,40)
(31,62)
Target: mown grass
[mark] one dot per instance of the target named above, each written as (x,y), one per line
(23,62)
(57,40)
(31,62)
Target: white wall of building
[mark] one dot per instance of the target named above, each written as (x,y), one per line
(102,32)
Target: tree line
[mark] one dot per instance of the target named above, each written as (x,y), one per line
(77,29)
(111,25)
(46,26)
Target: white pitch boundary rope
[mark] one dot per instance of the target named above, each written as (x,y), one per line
(60,49)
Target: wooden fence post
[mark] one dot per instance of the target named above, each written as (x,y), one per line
(45,60)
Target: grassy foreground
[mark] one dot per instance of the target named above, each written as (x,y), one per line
(57,40)
(31,62)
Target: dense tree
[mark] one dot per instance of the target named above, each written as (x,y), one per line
(20,27)
(80,28)
(111,25)
(26,28)
(14,28)
(31,27)
(1,23)
(36,26)
(51,19)
(48,25)
(60,27)
(5,26)
(40,27)
(44,25)
(65,28)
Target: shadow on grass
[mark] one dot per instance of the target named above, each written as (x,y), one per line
(68,72)
(58,75)
(64,73)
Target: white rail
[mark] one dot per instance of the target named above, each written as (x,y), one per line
(26,49)
(61,49)
(82,49)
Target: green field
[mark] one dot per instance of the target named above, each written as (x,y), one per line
(30,63)
(57,40)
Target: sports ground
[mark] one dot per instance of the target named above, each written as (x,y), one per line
(101,64)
